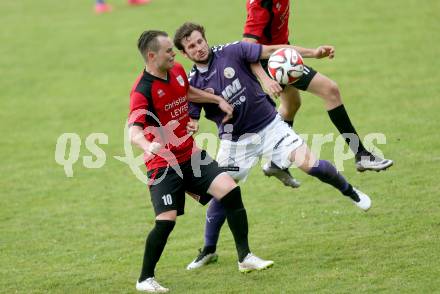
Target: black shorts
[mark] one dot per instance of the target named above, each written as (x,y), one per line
(168,189)
(301,84)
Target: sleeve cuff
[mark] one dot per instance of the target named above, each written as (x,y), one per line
(251,36)
(136,124)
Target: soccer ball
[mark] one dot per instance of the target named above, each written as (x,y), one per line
(285,66)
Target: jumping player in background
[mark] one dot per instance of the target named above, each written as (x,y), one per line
(267,24)
(158,125)
(256,129)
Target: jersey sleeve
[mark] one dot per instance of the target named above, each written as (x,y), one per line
(138,109)
(249,52)
(257,19)
(194,110)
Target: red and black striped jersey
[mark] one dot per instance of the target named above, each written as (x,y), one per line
(160,107)
(267,21)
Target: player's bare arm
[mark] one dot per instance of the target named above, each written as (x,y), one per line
(269,85)
(137,137)
(320,52)
(325,51)
(199,96)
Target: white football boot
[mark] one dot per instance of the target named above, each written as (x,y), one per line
(202,259)
(372,162)
(364,202)
(150,285)
(253,263)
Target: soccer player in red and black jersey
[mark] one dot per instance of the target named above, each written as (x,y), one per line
(159,125)
(267,23)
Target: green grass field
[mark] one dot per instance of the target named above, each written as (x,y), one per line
(65,70)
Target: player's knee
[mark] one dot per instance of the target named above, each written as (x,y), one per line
(222,185)
(332,92)
(232,200)
(161,231)
(167,215)
(230,183)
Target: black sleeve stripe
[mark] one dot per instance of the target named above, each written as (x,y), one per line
(268,4)
(251,36)
(136,124)
(144,87)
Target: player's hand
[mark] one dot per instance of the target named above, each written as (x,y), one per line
(325,51)
(226,108)
(153,148)
(192,127)
(272,87)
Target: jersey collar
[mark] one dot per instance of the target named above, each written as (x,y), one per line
(151,77)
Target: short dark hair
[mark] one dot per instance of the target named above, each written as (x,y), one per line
(148,41)
(184,31)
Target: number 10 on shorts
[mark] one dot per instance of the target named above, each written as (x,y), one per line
(167,200)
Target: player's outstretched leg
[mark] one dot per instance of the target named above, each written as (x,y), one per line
(215,218)
(327,173)
(328,90)
(365,160)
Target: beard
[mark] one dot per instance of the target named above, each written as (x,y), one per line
(206,60)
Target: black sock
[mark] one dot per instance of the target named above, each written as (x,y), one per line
(340,119)
(327,173)
(351,193)
(289,122)
(154,245)
(237,221)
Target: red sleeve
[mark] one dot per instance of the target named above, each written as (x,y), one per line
(138,109)
(256,20)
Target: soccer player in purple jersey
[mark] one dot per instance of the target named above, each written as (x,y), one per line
(256,130)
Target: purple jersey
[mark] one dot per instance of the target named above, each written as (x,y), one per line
(229,75)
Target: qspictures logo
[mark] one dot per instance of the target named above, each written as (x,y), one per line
(68,147)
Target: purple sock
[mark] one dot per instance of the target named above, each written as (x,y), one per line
(215,218)
(327,173)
